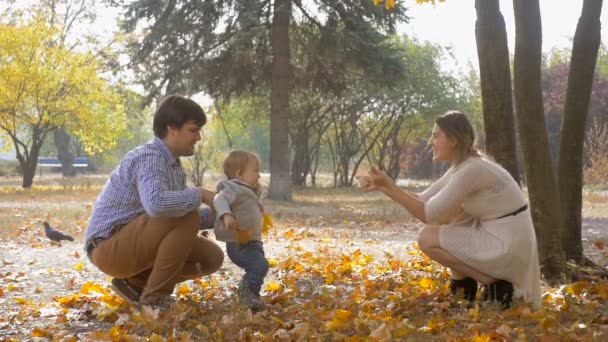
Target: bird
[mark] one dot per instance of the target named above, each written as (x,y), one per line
(54,234)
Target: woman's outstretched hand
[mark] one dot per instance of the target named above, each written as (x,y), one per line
(375,180)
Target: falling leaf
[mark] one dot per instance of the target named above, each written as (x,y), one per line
(389,4)
(79,266)
(267,223)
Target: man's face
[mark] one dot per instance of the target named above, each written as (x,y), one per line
(181,141)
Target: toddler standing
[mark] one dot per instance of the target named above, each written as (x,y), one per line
(239,223)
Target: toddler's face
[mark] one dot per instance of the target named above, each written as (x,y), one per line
(251,173)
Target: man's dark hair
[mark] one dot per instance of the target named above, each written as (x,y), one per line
(175,111)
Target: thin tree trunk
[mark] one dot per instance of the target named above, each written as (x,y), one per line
(570,161)
(280,183)
(496,93)
(540,176)
(62,143)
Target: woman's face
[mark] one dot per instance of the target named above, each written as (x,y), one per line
(444,148)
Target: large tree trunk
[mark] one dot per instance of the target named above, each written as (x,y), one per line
(570,161)
(540,176)
(280,182)
(496,94)
(62,143)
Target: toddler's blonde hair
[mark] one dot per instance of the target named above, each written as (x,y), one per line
(236,161)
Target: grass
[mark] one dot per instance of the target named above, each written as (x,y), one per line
(69,201)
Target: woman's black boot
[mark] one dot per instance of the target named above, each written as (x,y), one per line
(500,291)
(468,286)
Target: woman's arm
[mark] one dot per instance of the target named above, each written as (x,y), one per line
(408,200)
(379,180)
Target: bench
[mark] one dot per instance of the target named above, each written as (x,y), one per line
(55,162)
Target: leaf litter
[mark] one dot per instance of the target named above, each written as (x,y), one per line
(351,281)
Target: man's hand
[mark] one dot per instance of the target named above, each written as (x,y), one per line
(207,197)
(230,222)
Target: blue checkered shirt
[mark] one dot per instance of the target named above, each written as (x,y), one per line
(148,180)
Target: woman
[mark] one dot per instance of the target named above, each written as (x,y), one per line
(477,220)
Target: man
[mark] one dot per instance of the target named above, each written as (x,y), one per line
(143,230)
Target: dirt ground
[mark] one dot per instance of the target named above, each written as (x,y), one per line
(35,274)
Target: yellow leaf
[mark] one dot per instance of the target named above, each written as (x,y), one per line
(335,324)
(267,223)
(92,287)
(343,315)
(37,332)
(156,338)
(481,338)
(427,283)
(389,4)
(184,291)
(114,332)
(273,287)
(22,301)
(272,262)
(79,266)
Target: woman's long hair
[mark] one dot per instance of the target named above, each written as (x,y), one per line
(458,128)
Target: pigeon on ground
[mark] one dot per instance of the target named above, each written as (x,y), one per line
(54,234)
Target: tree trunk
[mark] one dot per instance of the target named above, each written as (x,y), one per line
(496,94)
(28,160)
(280,182)
(570,162)
(540,176)
(301,159)
(62,143)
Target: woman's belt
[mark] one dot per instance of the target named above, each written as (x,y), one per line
(515,212)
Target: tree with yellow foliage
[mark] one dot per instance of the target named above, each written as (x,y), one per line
(44,85)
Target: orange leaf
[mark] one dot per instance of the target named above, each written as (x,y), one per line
(38,332)
(243,236)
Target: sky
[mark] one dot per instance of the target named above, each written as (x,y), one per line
(452,23)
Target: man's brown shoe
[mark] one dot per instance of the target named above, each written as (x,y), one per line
(126,291)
